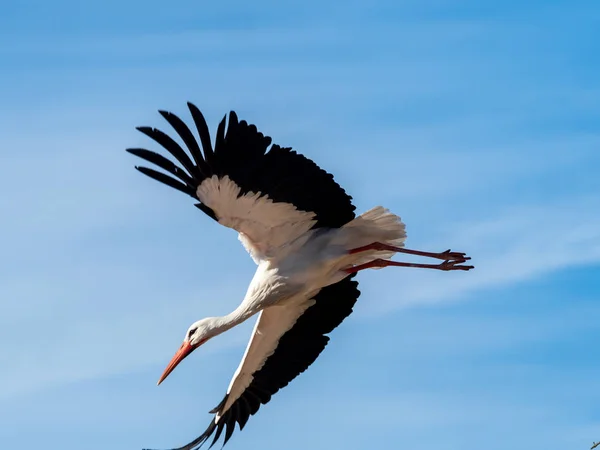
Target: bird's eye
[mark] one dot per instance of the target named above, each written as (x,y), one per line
(191,333)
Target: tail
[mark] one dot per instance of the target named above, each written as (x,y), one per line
(376,225)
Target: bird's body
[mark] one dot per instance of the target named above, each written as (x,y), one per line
(300,228)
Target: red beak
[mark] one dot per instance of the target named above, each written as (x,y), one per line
(185,349)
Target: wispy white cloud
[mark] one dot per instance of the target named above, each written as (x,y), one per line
(92,342)
(97,262)
(517,245)
(509,244)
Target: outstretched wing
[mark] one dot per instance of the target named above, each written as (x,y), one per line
(285,342)
(270,196)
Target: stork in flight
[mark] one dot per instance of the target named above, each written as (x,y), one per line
(300,228)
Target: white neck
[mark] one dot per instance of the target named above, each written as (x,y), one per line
(265,289)
(237,316)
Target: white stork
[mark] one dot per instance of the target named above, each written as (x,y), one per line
(300,228)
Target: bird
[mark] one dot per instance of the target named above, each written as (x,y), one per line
(300,228)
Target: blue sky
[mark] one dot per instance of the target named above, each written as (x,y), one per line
(475,121)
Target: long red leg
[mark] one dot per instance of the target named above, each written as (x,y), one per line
(446,265)
(446,256)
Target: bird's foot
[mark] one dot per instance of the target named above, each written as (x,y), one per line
(454,265)
(449,255)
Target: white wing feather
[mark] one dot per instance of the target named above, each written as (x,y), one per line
(271,325)
(265,228)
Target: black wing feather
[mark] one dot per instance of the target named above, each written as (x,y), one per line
(172,182)
(170,145)
(298,348)
(203,132)
(164,164)
(240,152)
(186,135)
(220,427)
(230,426)
(245,412)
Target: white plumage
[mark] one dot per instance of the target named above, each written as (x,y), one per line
(315,260)
(300,228)
(265,227)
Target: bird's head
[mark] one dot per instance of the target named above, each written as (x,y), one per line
(197,334)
